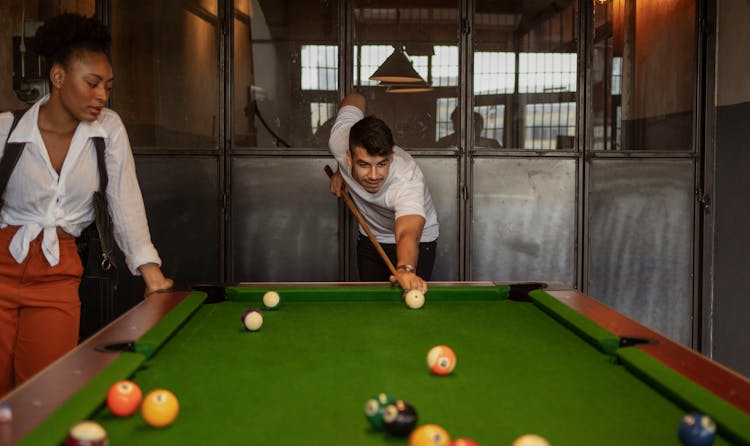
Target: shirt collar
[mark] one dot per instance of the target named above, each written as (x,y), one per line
(27,129)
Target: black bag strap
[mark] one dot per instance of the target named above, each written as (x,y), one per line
(103,178)
(10,156)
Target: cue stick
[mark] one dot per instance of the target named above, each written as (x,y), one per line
(361,220)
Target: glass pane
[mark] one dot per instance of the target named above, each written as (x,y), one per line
(165,59)
(643,75)
(427,37)
(525,74)
(285,73)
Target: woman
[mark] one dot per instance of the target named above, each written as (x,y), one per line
(48,200)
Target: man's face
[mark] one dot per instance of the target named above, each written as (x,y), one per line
(368,170)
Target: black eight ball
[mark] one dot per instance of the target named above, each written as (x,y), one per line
(399,418)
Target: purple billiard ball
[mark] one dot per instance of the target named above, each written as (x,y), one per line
(696,430)
(252,319)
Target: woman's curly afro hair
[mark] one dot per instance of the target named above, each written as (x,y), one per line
(63,36)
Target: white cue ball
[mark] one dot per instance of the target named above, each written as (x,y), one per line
(252,320)
(414,299)
(271,300)
(530,440)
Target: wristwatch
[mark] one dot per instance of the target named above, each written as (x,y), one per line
(407,268)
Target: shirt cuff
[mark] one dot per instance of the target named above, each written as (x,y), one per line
(142,256)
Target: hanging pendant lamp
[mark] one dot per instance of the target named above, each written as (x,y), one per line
(396,68)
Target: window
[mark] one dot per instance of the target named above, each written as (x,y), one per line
(550,126)
(320,67)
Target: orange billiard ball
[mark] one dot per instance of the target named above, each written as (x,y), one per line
(124,398)
(429,435)
(160,408)
(441,360)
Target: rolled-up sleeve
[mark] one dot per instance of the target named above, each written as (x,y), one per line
(408,195)
(126,204)
(338,143)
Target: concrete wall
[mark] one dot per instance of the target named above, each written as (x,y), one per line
(731,305)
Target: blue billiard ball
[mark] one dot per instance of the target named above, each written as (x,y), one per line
(696,430)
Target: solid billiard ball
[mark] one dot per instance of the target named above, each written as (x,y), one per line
(252,319)
(124,398)
(429,435)
(87,433)
(399,418)
(271,300)
(464,442)
(530,440)
(160,408)
(441,360)
(374,408)
(696,430)
(6,413)
(414,299)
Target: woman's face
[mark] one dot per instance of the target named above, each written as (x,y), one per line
(84,85)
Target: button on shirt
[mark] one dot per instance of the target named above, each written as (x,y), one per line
(404,191)
(38,200)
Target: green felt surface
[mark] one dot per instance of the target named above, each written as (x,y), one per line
(304,378)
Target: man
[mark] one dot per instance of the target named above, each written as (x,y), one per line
(451,139)
(390,192)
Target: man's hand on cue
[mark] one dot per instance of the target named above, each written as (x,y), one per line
(410,281)
(336,183)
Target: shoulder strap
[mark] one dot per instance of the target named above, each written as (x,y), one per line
(10,156)
(103,178)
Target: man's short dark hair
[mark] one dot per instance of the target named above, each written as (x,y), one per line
(373,134)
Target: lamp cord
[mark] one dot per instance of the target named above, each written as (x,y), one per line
(279,140)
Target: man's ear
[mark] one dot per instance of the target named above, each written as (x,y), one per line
(349,157)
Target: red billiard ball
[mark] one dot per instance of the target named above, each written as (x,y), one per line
(124,398)
(464,442)
(87,433)
(441,360)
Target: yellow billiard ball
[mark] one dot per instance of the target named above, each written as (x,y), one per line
(429,435)
(160,408)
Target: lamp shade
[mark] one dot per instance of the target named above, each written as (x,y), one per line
(406,87)
(396,68)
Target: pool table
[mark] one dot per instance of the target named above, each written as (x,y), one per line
(531,359)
